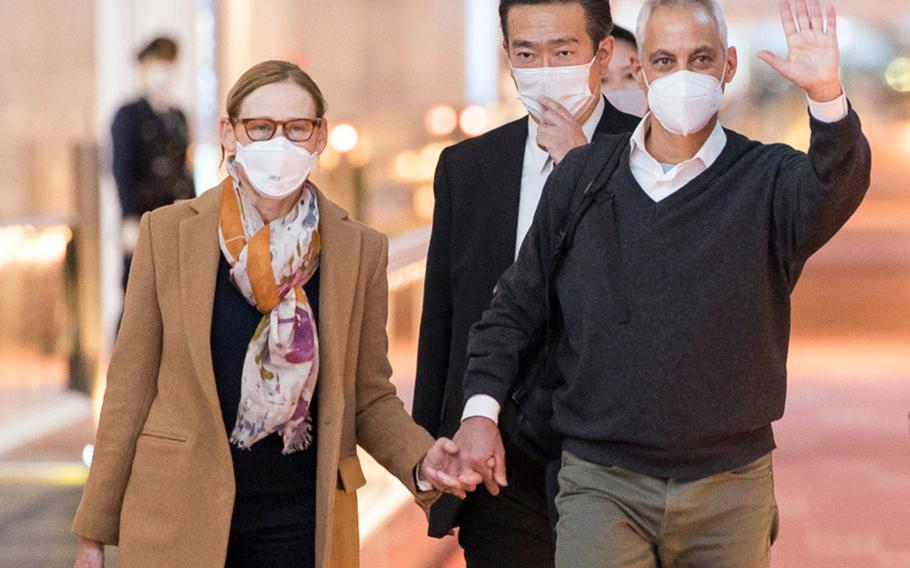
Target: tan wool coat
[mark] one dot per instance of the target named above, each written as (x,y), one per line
(161,485)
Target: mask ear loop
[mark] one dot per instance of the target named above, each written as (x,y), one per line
(645,77)
(593,59)
(723,74)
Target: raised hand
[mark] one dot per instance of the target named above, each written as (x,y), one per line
(558,131)
(813,59)
(481,451)
(443,469)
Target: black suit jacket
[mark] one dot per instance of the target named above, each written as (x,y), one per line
(150,157)
(477,188)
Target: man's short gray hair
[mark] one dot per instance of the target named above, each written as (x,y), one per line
(712,7)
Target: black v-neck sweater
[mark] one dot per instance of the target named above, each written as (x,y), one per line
(689,383)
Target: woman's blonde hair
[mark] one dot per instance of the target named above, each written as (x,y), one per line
(266,73)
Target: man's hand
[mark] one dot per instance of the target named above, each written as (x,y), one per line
(443,469)
(89,555)
(481,450)
(813,61)
(558,131)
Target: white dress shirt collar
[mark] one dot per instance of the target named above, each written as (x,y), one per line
(707,154)
(659,182)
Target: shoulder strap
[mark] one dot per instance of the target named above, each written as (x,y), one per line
(600,166)
(598,169)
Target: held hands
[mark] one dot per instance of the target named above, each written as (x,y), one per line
(444,470)
(813,61)
(482,452)
(558,131)
(476,455)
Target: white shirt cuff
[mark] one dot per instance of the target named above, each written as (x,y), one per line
(832,111)
(481,405)
(422,486)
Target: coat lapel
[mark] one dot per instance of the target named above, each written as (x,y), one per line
(199,256)
(339,265)
(501,168)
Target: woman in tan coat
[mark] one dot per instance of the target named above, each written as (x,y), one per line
(251,362)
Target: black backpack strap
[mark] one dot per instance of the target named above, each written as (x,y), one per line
(598,169)
(527,420)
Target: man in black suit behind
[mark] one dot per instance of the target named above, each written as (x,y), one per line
(487,190)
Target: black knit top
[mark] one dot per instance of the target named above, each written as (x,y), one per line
(273,490)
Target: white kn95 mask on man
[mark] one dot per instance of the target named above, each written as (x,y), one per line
(684,102)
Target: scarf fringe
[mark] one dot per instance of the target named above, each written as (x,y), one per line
(297,435)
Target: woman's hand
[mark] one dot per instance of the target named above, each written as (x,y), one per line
(90,554)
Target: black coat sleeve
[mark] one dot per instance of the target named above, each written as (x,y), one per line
(436,320)
(125,136)
(517,316)
(816,193)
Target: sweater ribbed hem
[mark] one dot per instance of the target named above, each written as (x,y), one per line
(677,463)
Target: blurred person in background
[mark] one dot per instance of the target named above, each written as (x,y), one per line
(487,190)
(150,140)
(619,84)
(673,299)
(251,363)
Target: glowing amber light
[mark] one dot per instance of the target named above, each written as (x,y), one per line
(474,120)
(440,120)
(343,137)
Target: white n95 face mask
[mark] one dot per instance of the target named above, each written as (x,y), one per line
(684,102)
(275,167)
(569,86)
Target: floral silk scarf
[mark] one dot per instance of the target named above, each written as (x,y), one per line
(270,263)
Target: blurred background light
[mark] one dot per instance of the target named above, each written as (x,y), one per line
(474,120)
(24,244)
(88,453)
(407,166)
(343,137)
(440,120)
(897,75)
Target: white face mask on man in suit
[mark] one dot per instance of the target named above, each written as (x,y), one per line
(570,86)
